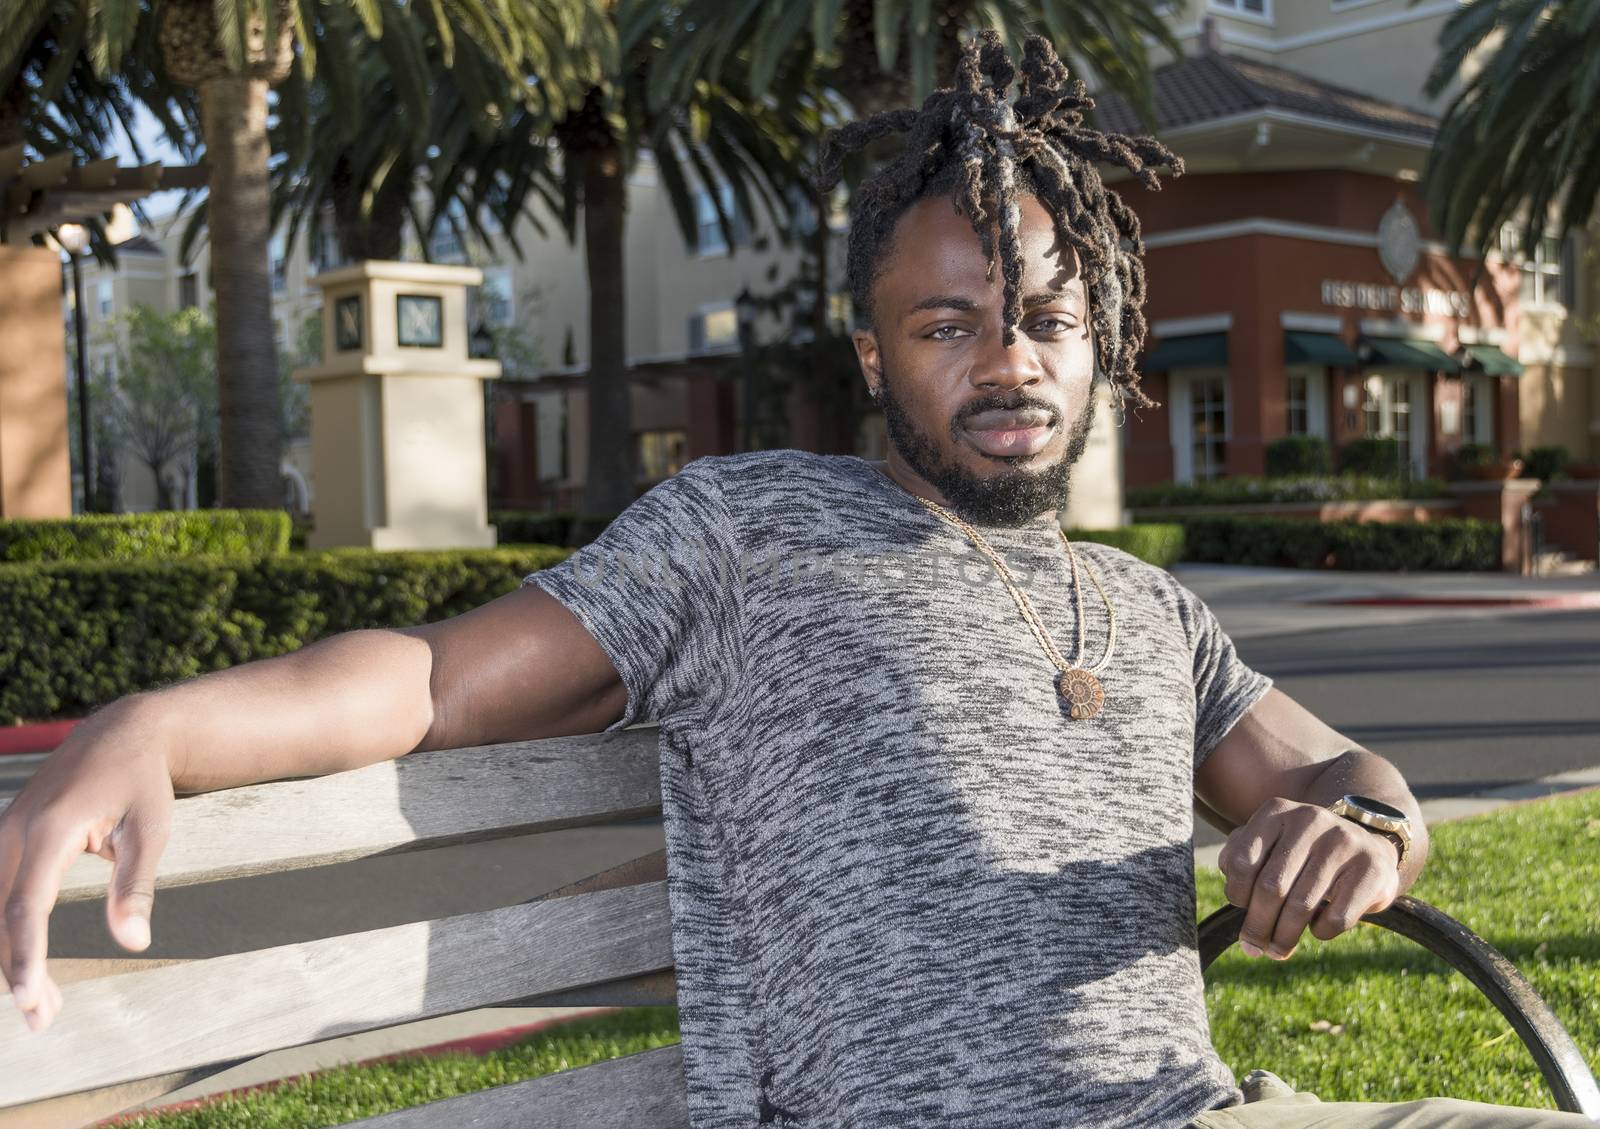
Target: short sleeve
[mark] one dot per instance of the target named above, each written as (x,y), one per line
(658,591)
(1224,687)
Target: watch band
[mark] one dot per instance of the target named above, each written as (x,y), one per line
(1397,830)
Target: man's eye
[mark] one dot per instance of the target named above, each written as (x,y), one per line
(946,333)
(1051,325)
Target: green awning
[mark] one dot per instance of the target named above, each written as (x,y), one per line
(1317,349)
(1200,350)
(1490,360)
(1407,352)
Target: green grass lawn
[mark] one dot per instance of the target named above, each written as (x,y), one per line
(1527,879)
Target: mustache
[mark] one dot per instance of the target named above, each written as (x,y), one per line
(997,402)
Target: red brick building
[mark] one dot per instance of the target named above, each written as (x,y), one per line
(1294,286)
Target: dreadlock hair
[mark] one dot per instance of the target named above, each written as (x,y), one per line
(984,149)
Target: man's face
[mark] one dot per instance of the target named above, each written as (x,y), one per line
(993,430)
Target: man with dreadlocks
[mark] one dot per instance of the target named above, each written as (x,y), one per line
(925,869)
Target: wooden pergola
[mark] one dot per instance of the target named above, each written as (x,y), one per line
(37,196)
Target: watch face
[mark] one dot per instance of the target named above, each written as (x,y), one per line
(1377,807)
(347,323)
(420,318)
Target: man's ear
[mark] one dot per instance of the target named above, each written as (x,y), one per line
(870,360)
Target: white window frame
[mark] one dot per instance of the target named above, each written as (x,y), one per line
(1420,406)
(105,298)
(1234,8)
(1316,397)
(709,240)
(706,345)
(1180,418)
(1483,389)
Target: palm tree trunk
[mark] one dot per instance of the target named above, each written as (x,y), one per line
(233,111)
(608,488)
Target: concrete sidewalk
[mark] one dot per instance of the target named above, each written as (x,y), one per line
(1252,602)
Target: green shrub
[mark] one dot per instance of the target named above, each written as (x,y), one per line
(1371,455)
(1475,455)
(137,537)
(1160,544)
(1450,544)
(1298,454)
(77,634)
(1548,464)
(1246,490)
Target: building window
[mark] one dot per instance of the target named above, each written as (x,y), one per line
(1208,426)
(1477,410)
(103,297)
(1262,8)
(188,291)
(326,255)
(1548,277)
(496,298)
(713,328)
(280,264)
(1299,404)
(661,453)
(708,232)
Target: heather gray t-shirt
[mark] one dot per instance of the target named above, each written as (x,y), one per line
(906,888)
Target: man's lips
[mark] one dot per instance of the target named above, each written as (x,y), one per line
(1024,431)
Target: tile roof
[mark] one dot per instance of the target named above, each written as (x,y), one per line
(1206,87)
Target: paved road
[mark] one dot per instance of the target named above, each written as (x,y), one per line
(1462,701)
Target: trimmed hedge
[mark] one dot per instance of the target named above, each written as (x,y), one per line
(1160,544)
(77,634)
(1298,454)
(1450,545)
(140,537)
(1248,490)
(1370,455)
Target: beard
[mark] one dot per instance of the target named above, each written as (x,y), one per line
(1011,498)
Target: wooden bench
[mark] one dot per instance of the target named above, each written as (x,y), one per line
(142,1029)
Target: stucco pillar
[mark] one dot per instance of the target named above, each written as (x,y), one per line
(35,461)
(397,414)
(1502,502)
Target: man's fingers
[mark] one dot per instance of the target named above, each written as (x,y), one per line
(1275,879)
(49,850)
(1357,893)
(1305,898)
(1243,856)
(136,846)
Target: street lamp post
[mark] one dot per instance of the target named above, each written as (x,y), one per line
(73,238)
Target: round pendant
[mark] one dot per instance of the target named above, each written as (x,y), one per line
(1081,693)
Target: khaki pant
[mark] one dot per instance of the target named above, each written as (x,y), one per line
(1270,1103)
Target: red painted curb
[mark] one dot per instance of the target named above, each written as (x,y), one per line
(1563,600)
(39,738)
(473,1044)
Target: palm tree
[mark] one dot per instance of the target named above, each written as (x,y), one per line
(570,162)
(230,53)
(859,44)
(1519,138)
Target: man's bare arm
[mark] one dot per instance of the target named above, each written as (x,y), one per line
(520,667)
(1288,859)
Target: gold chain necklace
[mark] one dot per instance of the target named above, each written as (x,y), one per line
(1078,687)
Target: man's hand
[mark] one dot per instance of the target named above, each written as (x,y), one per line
(106,791)
(1295,864)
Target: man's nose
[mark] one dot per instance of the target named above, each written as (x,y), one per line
(999,367)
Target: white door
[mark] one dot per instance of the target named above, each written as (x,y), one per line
(1199,424)
(1396,407)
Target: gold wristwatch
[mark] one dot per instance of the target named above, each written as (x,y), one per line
(1379,817)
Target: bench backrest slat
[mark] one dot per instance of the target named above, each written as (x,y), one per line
(419,800)
(123,1028)
(639,1091)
